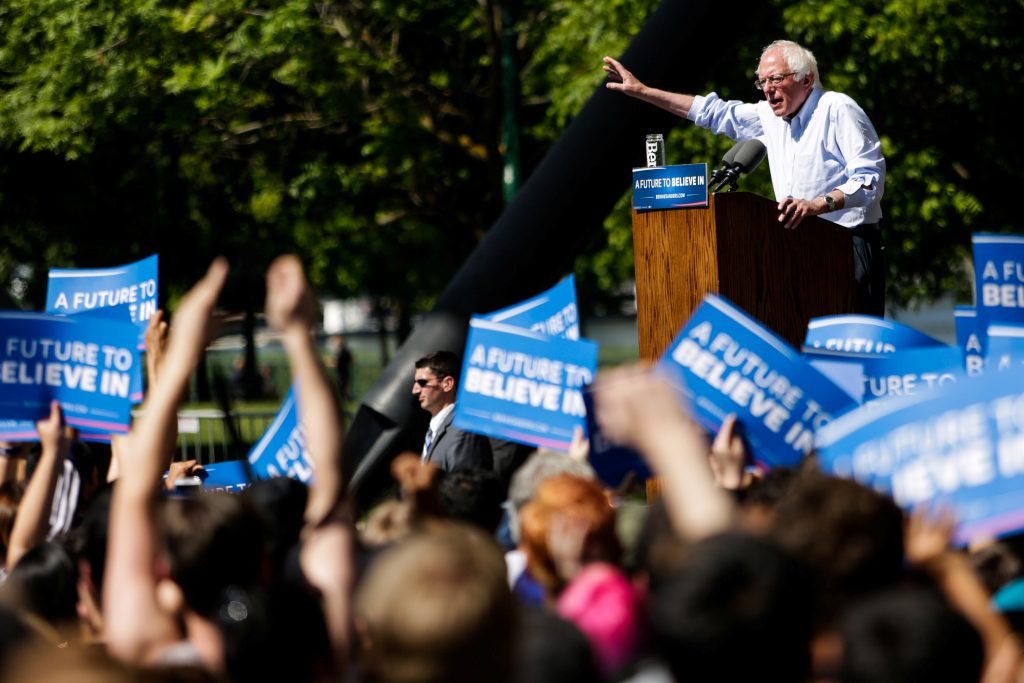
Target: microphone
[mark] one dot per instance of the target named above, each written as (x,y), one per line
(747,157)
(727,161)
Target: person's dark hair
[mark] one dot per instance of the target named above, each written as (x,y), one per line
(281,504)
(996,565)
(88,541)
(908,635)
(44,582)
(472,495)
(212,541)
(552,650)
(770,488)
(737,605)
(14,634)
(276,634)
(442,364)
(848,534)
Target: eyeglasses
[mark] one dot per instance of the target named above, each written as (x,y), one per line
(777,79)
(423,383)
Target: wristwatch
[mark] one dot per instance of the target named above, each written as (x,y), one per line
(830,203)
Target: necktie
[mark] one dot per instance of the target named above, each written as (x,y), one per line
(426,443)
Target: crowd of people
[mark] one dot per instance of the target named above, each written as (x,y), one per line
(477,567)
(458,575)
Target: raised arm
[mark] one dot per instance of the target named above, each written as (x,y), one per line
(638,408)
(291,310)
(136,626)
(622,80)
(326,554)
(927,548)
(33,516)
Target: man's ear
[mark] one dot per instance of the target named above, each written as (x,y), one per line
(448,383)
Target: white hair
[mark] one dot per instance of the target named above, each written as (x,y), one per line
(798,58)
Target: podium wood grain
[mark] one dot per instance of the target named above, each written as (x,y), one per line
(737,248)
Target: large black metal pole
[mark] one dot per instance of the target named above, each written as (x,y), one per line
(537,238)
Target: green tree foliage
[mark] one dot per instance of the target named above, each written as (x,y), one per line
(361,133)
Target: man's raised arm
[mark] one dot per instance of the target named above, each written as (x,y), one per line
(622,80)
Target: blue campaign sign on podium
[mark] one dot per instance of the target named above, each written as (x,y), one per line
(523,386)
(670,187)
(726,362)
(281,451)
(961,445)
(130,290)
(553,312)
(85,364)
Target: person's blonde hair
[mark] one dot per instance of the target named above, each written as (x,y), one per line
(436,608)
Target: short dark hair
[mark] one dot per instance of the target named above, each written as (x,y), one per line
(442,364)
(735,603)
(473,496)
(908,635)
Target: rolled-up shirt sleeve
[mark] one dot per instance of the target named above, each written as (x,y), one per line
(859,144)
(732,118)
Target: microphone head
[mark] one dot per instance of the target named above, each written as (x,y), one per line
(752,154)
(730,156)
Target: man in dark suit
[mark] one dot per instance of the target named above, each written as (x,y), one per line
(446,446)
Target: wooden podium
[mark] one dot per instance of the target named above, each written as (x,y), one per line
(737,248)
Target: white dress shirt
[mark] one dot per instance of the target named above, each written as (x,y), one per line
(829,144)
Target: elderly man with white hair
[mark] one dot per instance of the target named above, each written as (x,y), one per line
(825,156)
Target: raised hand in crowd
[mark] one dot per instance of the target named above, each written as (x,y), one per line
(138,627)
(32,521)
(928,537)
(326,554)
(291,310)
(728,456)
(638,408)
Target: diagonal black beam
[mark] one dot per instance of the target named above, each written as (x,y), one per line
(537,238)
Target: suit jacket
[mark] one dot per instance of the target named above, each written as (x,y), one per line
(453,449)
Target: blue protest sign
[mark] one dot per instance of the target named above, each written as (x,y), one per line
(227,476)
(863,334)
(120,315)
(553,312)
(999,277)
(130,289)
(962,445)
(611,462)
(281,451)
(899,373)
(523,386)
(670,187)
(87,365)
(727,362)
(970,337)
